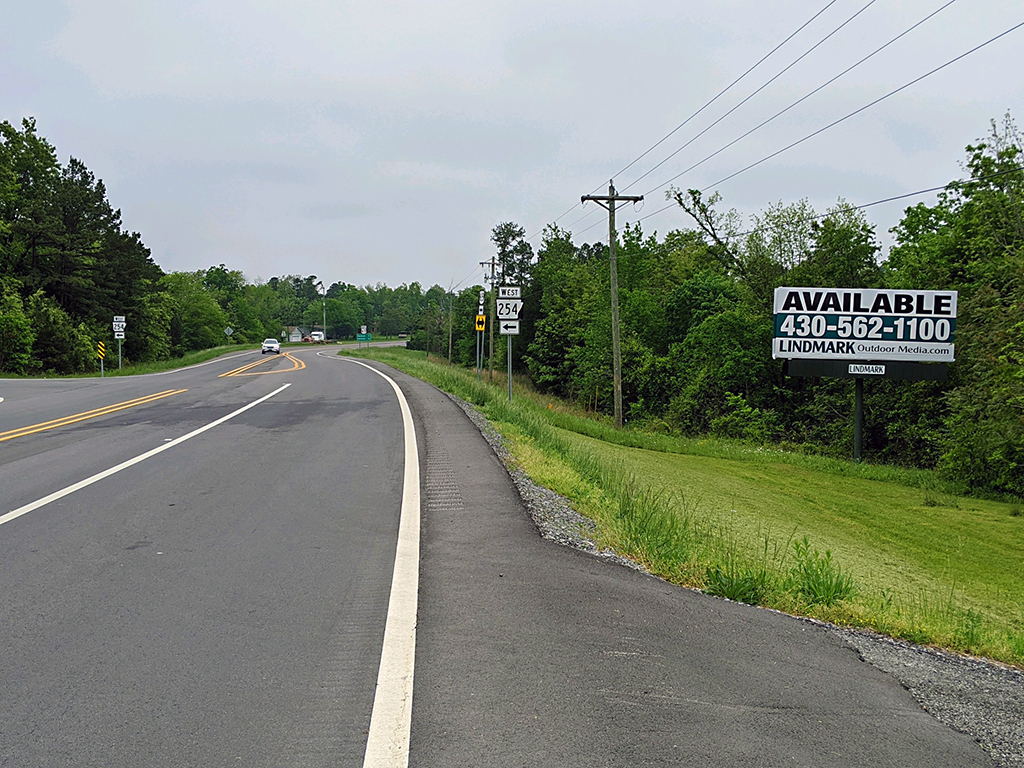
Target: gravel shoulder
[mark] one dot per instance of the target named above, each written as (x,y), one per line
(974,696)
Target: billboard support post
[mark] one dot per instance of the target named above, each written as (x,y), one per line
(858,418)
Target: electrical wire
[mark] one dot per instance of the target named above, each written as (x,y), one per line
(769,82)
(867,106)
(734,82)
(706,105)
(836,122)
(804,97)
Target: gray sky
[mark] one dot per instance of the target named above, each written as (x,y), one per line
(382,141)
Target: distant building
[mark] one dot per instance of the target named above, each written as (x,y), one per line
(294,333)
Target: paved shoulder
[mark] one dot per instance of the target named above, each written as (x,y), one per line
(533,654)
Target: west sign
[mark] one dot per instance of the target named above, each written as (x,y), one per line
(864,324)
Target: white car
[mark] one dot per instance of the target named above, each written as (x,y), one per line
(271,345)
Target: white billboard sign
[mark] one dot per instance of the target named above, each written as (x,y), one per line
(864,324)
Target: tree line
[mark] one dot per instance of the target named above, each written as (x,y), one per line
(68,266)
(695,306)
(696,322)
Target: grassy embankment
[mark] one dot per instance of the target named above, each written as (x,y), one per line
(110,364)
(897,550)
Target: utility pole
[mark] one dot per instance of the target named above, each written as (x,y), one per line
(490,279)
(609,203)
(451,309)
(494,309)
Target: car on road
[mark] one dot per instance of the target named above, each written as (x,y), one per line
(271,345)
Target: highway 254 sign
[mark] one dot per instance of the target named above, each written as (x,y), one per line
(864,324)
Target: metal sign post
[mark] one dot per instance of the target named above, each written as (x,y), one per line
(119,326)
(509,306)
(481,325)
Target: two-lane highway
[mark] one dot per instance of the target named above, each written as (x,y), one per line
(220,602)
(211,567)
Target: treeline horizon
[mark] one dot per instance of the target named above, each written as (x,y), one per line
(696,323)
(695,306)
(68,266)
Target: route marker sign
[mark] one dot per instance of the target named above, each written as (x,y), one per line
(509,309)
(118,334)
(509,327)
(510,292)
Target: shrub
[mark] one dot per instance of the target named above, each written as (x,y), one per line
(816,579)
(737,582)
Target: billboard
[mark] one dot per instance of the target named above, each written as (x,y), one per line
(864,324)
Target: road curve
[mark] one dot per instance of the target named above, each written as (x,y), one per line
(224,601)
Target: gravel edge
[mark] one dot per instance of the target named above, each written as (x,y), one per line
(980,698)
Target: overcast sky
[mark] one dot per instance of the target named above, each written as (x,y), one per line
(382,141)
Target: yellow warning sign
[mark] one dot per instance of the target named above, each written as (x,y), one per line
(101,350)
(481,322)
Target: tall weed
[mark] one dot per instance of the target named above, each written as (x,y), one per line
(816,579)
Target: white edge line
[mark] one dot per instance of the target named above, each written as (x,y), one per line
(16,513)
(387,745)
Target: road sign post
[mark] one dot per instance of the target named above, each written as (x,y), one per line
(119,325)
(509,306)
(481,326)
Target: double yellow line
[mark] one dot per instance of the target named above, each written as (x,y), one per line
(96,412)
(297,365)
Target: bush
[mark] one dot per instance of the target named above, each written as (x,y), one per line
(739,583)
(816,579)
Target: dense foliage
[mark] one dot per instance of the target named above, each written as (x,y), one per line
(67,267)
(695,309)
(696,318)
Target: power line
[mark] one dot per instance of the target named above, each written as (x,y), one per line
(752,95)
(867,106)
(802,98)
(837,122)
(706,105)
(894,198)
(734,82)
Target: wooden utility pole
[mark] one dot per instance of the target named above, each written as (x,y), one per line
(494,308)
(609,203)
(451,312)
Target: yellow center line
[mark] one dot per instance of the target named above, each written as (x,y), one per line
(246,367)
(297,365)
(96,412)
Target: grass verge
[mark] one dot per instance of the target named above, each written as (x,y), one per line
(895,550)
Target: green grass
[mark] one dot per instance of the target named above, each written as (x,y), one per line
(110,364)
(896,550)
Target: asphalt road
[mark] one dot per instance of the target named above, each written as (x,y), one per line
(223,602)
(220,603)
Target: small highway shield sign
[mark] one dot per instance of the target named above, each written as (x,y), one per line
(509,309)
